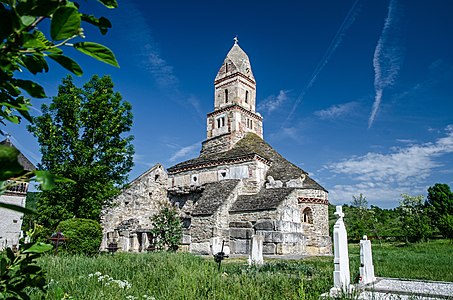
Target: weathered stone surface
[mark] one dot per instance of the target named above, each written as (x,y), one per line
(201,248)
(241,233)
(186,239)
(239,224)
(240,246)
(269,248)
(264,225)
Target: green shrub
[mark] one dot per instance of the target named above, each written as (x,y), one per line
(167,229)
(84,236)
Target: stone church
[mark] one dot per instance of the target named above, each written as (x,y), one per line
(237,187)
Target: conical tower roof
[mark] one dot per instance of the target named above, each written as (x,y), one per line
(238,61)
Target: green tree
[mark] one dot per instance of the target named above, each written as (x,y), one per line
(82,135)
(24,47)
(416,225)
(440,205)
(358,217)
(167,229)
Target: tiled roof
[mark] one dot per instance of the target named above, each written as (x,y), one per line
(265,199)
(213,196)
(251,145)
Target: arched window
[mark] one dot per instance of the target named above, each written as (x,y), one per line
(307,215)
(246,96)
(226,96)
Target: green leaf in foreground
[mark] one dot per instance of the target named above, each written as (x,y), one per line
(10,167)
(98,51)
(39,248)
(32,88)
(48,180)
(109,3)
(67,63)
(17,208)
(65,23)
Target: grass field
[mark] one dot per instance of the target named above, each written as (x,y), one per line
(185,276)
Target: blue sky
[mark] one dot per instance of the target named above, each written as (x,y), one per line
(358,93)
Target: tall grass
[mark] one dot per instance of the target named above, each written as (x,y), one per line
(180,276)
(429,261)
(185,276)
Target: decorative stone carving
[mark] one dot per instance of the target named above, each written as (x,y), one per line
(273,184)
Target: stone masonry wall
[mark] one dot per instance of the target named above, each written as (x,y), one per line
(132,209)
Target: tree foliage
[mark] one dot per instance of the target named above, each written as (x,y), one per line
(167,229)
(440,205)
(416,224)
(24,47)
(82,137)
(359,224)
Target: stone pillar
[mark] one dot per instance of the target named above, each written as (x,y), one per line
(366,262)
(134,244)
(341,276)
(145,241)
(124,243)
(104,242)
(257,250)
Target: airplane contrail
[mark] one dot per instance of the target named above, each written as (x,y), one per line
(336,41)
(387,58)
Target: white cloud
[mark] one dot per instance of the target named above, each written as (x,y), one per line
(387,58)
(273,102)
(150,56)
(185,151)
(140,159)
(405,169)
(336,111)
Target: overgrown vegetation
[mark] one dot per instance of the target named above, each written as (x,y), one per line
(164,275)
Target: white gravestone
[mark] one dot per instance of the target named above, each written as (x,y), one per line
(366,262)
(257,250)
(216,245)
(341,276)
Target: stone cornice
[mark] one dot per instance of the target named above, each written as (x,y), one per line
(234,75)
(235,80)
(235,107)
(215,163)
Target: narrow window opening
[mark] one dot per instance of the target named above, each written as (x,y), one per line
(307,215)
(246,96)
(226,67)
(226,96)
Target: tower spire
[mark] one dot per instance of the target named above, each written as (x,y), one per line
(236,40)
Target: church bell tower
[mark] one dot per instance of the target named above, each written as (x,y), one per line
(234,103)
